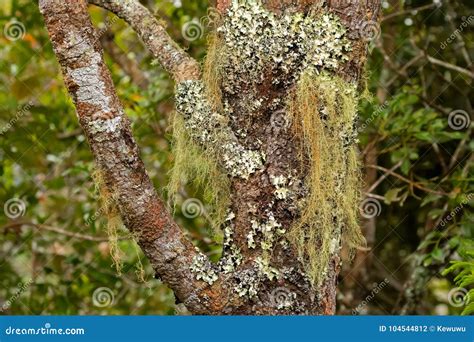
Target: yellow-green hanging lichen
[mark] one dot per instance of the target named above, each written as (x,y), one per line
(323,110)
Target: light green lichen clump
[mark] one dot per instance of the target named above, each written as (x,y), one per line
(209,128)
(232,256)
(256,39)
(203,269)
(267,231)
(206,150)
(280,184)
(193,165)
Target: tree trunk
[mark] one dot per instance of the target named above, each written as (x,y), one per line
(275,110)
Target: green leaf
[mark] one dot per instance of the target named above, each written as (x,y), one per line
(468,310)
(466,281)
(438,254)
(392,195)
(430,198)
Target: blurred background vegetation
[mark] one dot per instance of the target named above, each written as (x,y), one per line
(415,138)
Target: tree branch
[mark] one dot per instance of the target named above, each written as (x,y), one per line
(61,231)
(117,156)
(172,57)
(128,65)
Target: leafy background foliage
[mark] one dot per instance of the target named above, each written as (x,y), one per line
(418,168)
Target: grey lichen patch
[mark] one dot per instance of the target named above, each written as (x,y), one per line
(280,183)
(256,39)
(240,162)
(105,125)
(203,269)
(232,256)
(269,272)
(209,128)
(231,260)
(91,88)
(267,232)
(228,230)
(248,282)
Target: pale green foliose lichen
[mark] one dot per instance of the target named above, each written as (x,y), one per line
(248,282)
(280,182)
(209,129)
(256,39)
(203,269)
(268,231)
(264,267)
(232,256)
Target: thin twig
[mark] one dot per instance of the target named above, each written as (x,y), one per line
(58,230)
(406,180)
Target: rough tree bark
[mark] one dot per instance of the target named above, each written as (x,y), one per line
(260,272)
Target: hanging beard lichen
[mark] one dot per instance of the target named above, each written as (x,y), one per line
(114,224)
(193,163)
(109,209)
(323,111)
(213,70)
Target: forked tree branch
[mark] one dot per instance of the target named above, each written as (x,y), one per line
(171,56)
(116,153)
